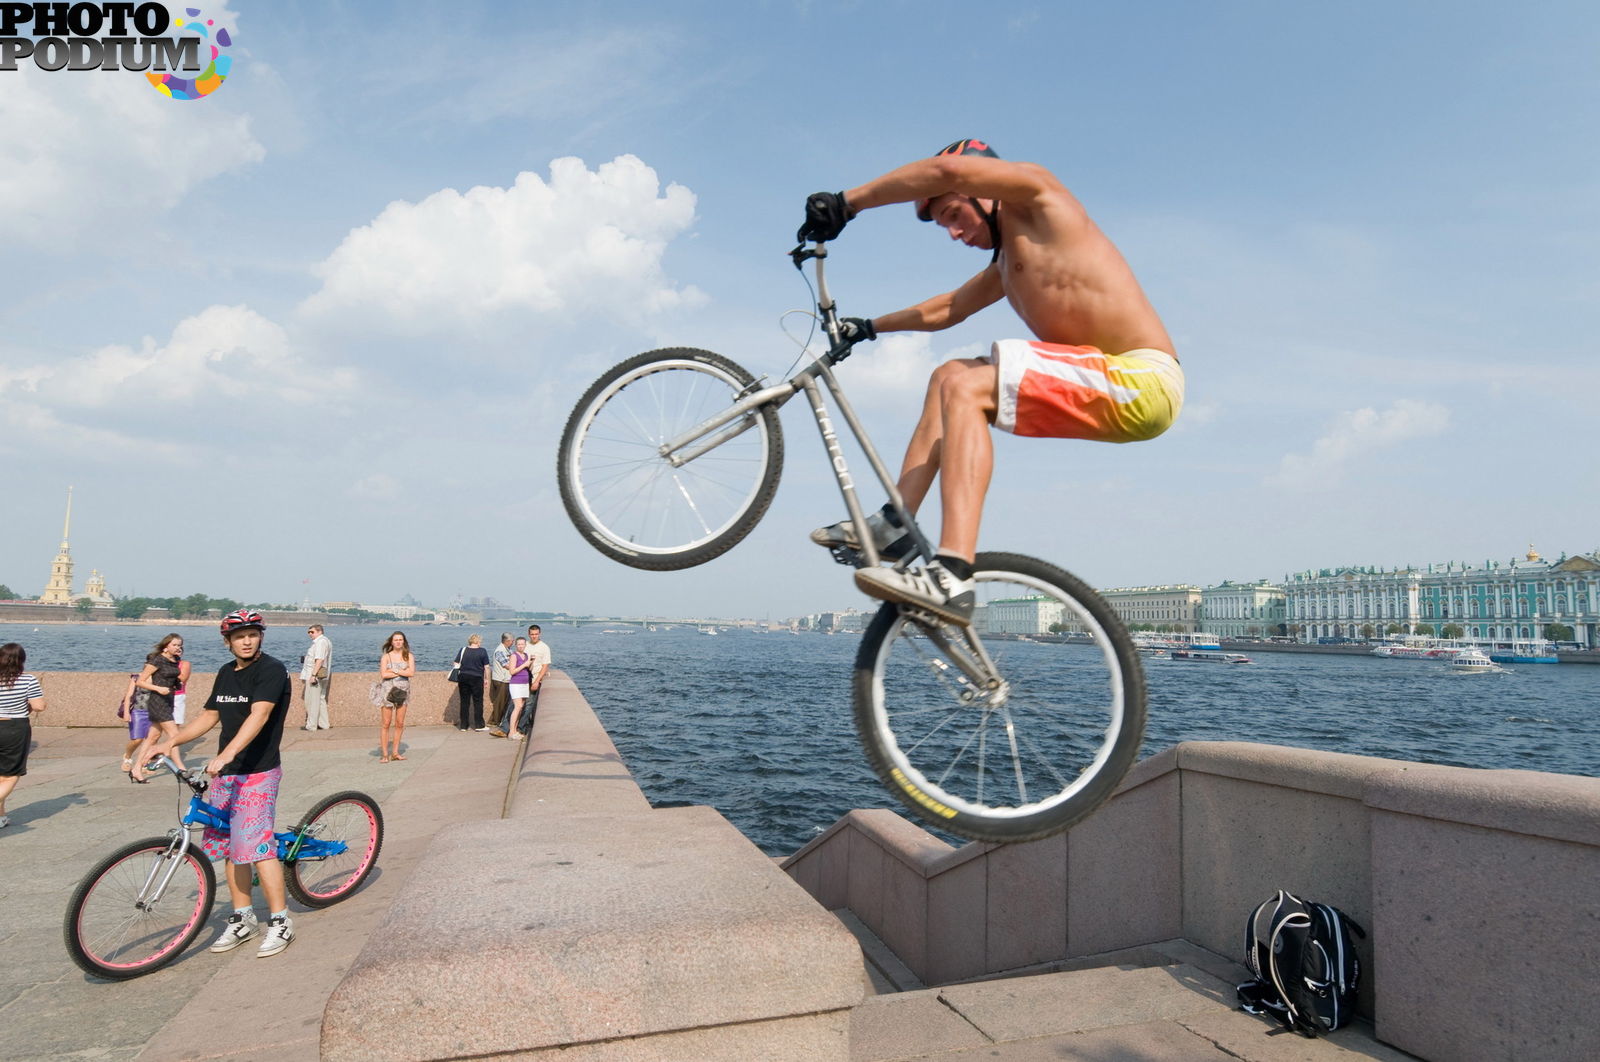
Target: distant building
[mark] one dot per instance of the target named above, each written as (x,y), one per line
(1018,615)
(1165,608)
(1491,602)
(58,591)
(94,588)
(1242,610)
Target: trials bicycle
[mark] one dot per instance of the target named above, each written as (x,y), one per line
(142,905)
(996,731)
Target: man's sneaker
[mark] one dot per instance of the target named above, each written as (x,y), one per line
(892,542)
(931,588)
(280,934)
(240,928)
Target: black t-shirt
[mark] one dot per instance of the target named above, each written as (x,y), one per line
(231,697)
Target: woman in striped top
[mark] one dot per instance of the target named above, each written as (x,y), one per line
(20,697)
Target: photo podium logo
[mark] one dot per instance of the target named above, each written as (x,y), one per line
(119,36)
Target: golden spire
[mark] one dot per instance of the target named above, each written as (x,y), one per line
(66,527)
(1533,554)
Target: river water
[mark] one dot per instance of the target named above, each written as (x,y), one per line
(758,724)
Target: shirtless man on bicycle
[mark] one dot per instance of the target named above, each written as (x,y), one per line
(1102,366)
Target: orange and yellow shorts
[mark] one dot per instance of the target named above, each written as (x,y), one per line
(1062,392)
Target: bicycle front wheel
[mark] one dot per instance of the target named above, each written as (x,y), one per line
(1033,753)
(122,923)
(628,500)
(343,835)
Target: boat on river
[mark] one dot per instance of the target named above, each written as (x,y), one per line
(1523,651)
(1475,662)
(1211,656)
(1417,650)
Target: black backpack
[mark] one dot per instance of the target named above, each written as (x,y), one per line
(1305,964)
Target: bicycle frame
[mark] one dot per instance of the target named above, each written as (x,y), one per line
(291,844)
(691,444)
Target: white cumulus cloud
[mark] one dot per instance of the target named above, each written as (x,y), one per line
(96,151)
(584,243)
(223,363)
(1357,433)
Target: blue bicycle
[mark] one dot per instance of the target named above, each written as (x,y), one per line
(142,905)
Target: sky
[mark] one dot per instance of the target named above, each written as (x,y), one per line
(315,336)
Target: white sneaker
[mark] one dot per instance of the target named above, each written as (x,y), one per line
(240,928)
(892,542)
(931,588)
(280,934)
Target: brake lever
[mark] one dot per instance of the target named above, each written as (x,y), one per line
(803,254)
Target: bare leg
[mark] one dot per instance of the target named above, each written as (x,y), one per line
(271,873)
(239,877)
(383,734)
(399,729)
(968,403)
(8,782)
(952,435)
(171,732)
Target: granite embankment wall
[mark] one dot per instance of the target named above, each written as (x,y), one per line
(1478,888)
(584,924)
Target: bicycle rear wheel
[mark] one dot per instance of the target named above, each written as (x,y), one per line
(344,834)
(1030,757)
(630,502)
(117,928)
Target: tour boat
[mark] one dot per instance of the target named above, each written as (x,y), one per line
(1475,662)
(1211,656)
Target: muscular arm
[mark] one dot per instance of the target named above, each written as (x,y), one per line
(947,310)
(1020,183)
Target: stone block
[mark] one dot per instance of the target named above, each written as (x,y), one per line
(1243,839)
(1485,938)
(607,928)
(1020,1008)
(570,765)
(1026,904)
(1124,869)
(957,933)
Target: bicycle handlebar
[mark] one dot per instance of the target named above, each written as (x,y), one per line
(841,347)
(195,779)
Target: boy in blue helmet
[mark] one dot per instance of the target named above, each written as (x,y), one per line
(1101,365)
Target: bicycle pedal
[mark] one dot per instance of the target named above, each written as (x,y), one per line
(922,617)
(850,558)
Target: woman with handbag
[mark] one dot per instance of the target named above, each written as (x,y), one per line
(395,668)
(21,698)
(138,720)
(159,681)
(471,671)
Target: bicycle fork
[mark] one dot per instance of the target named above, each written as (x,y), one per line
(169,861)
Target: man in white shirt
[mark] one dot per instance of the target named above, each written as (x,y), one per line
(316,673)
(538,668)
(499,682)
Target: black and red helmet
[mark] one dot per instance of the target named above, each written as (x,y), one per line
(969,146)
(242,620)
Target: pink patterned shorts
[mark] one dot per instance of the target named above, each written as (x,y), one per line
(251,801)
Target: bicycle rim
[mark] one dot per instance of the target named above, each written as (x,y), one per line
(1021,762)
(115,929)
(319,876)
(629,499)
